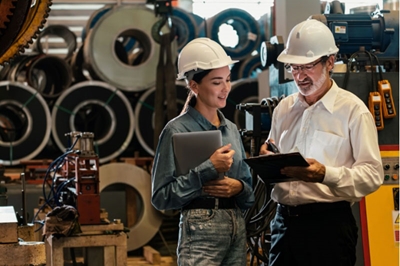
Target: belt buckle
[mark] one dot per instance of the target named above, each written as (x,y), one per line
(216,203)
(289,213)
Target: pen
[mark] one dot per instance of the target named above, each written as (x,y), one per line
(272,147)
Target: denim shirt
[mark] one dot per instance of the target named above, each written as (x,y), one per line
(173,192)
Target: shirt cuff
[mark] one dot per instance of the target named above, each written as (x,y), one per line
(207,171)
(331,176)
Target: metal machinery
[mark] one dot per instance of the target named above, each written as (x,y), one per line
(20,22)
(379,215)
(377,33)
(81,167)
(369,50)
(72,179)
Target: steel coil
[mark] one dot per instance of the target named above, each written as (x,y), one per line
(129,22)
(144,115)
(246,26)
(49,75)
(94,106)
(24,123)
(149,219)
(57,31)
(185,26)
(247,68)
(94,17)
(201,31)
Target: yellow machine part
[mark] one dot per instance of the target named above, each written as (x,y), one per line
(382,215)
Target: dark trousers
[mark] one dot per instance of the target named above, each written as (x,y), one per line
(320,238)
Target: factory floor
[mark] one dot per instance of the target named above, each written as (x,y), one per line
(163,243)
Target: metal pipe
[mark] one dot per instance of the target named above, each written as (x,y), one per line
(23,209)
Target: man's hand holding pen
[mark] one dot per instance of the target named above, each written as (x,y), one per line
(269,147)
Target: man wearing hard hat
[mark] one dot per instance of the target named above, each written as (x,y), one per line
(334,130)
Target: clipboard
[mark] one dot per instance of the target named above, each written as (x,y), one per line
(268,166)
(193,148)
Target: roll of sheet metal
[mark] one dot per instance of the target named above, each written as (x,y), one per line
(247,68)
(16,70)
(60,31)
(149,220)
(246,26)
(94,106)
(77,67)
(24,123)
(265,23)
(201,32)
(48,74)
(127,43)
(243,91)
(185,26)
(144,115)
(94,17)
(129,22)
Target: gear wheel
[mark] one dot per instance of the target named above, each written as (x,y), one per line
(33,22)
(6,7)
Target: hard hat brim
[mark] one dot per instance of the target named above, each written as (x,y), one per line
(181,76)
(298,60)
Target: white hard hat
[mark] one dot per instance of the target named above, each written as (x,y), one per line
(202,54)
(308,41)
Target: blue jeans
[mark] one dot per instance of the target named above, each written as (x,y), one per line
(209,237)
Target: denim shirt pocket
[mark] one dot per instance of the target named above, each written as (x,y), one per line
(325,147)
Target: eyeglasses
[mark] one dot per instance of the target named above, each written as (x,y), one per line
(306,68)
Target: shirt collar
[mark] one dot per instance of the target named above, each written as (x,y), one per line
(203,121)
(330,97)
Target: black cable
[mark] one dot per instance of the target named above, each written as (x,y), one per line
(379,65)
(349,63)
(50,199)
(259,216)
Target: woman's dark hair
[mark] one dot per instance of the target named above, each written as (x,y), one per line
(191,99)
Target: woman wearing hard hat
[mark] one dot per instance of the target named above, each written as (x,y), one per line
(335,131)
(212,229)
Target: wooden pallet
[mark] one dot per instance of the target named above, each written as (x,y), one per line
(151,257)
(141,261)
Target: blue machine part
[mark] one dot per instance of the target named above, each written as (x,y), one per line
(378,33)
(265,122)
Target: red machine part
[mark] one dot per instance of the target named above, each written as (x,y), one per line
(85,169)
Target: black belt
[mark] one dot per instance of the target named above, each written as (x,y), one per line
(211,203)
(311,208)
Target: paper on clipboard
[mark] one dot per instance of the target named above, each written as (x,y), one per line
(268,166)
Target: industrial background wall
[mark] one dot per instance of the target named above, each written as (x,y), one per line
(112,44)
(93,68)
